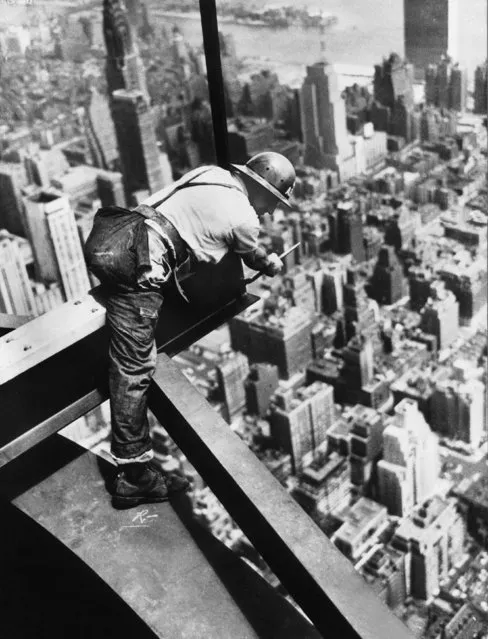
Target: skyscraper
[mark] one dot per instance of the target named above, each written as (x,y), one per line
(385,570)
(291,429)
(365,445)
(13,179)
(457,410)
(481,89)
(100,132)
(350,231)
(139,154)
(16,295)
(332,287)
(358,312)
(124,68)
(110,188)
(299,423)
(409,470)
(259,387)
(358,359)
(231,374)
(446,85)
(393,79)
(280,338)
(430,31)
(458,88)
(387,279)
(56,242)
(440,315)
(434,536)
(323,116)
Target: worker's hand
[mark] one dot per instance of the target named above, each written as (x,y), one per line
(274,265)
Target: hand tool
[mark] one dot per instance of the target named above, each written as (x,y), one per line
(252,279)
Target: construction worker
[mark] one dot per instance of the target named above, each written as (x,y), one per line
(201,217)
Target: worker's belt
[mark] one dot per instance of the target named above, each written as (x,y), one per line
(179,245)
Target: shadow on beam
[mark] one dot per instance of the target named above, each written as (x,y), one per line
(178,578)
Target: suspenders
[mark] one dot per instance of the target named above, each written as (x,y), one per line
(189,183)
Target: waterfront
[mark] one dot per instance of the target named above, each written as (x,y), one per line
(362,36)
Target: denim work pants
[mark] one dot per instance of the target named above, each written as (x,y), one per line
(132,316)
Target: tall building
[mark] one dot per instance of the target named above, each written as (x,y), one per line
(332,288)
(359,315)
(385,571)
(446,85)
(100,132)
(481,89)
(13,178)
(393,79)
(323,116)
(139,154)
(419,282)
(387,279)
(259,387)
(440,315)
(124,67)
(350,231)
(291,428)
(299,288)
(457,410)
(323,487)
(281,338)
(409,470)
(366,442)
(475,502)
(358,368)
(431,29)
(231,374)
(110,188)
(433,536)
(458,88)
(299,423)
(468,281)
(16,296)
(55,242)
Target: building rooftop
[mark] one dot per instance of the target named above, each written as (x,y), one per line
(358,517)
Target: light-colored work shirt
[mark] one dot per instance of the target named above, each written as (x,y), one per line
(213,219)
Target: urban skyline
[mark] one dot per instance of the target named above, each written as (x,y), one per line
(359,377)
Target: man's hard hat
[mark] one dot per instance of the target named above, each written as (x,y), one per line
(272,171)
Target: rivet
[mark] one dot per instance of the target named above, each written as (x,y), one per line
(27,348)
(78,302)
(94,310)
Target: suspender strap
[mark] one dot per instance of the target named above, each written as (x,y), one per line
(187,184)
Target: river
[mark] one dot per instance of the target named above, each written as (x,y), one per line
(367,31)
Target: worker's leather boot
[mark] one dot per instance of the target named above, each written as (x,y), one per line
(145,483)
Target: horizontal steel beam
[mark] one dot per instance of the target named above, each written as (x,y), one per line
(315,573)
(54,369)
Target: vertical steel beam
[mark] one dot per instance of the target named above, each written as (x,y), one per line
(211,45)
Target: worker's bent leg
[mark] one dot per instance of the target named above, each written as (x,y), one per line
(132,318)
